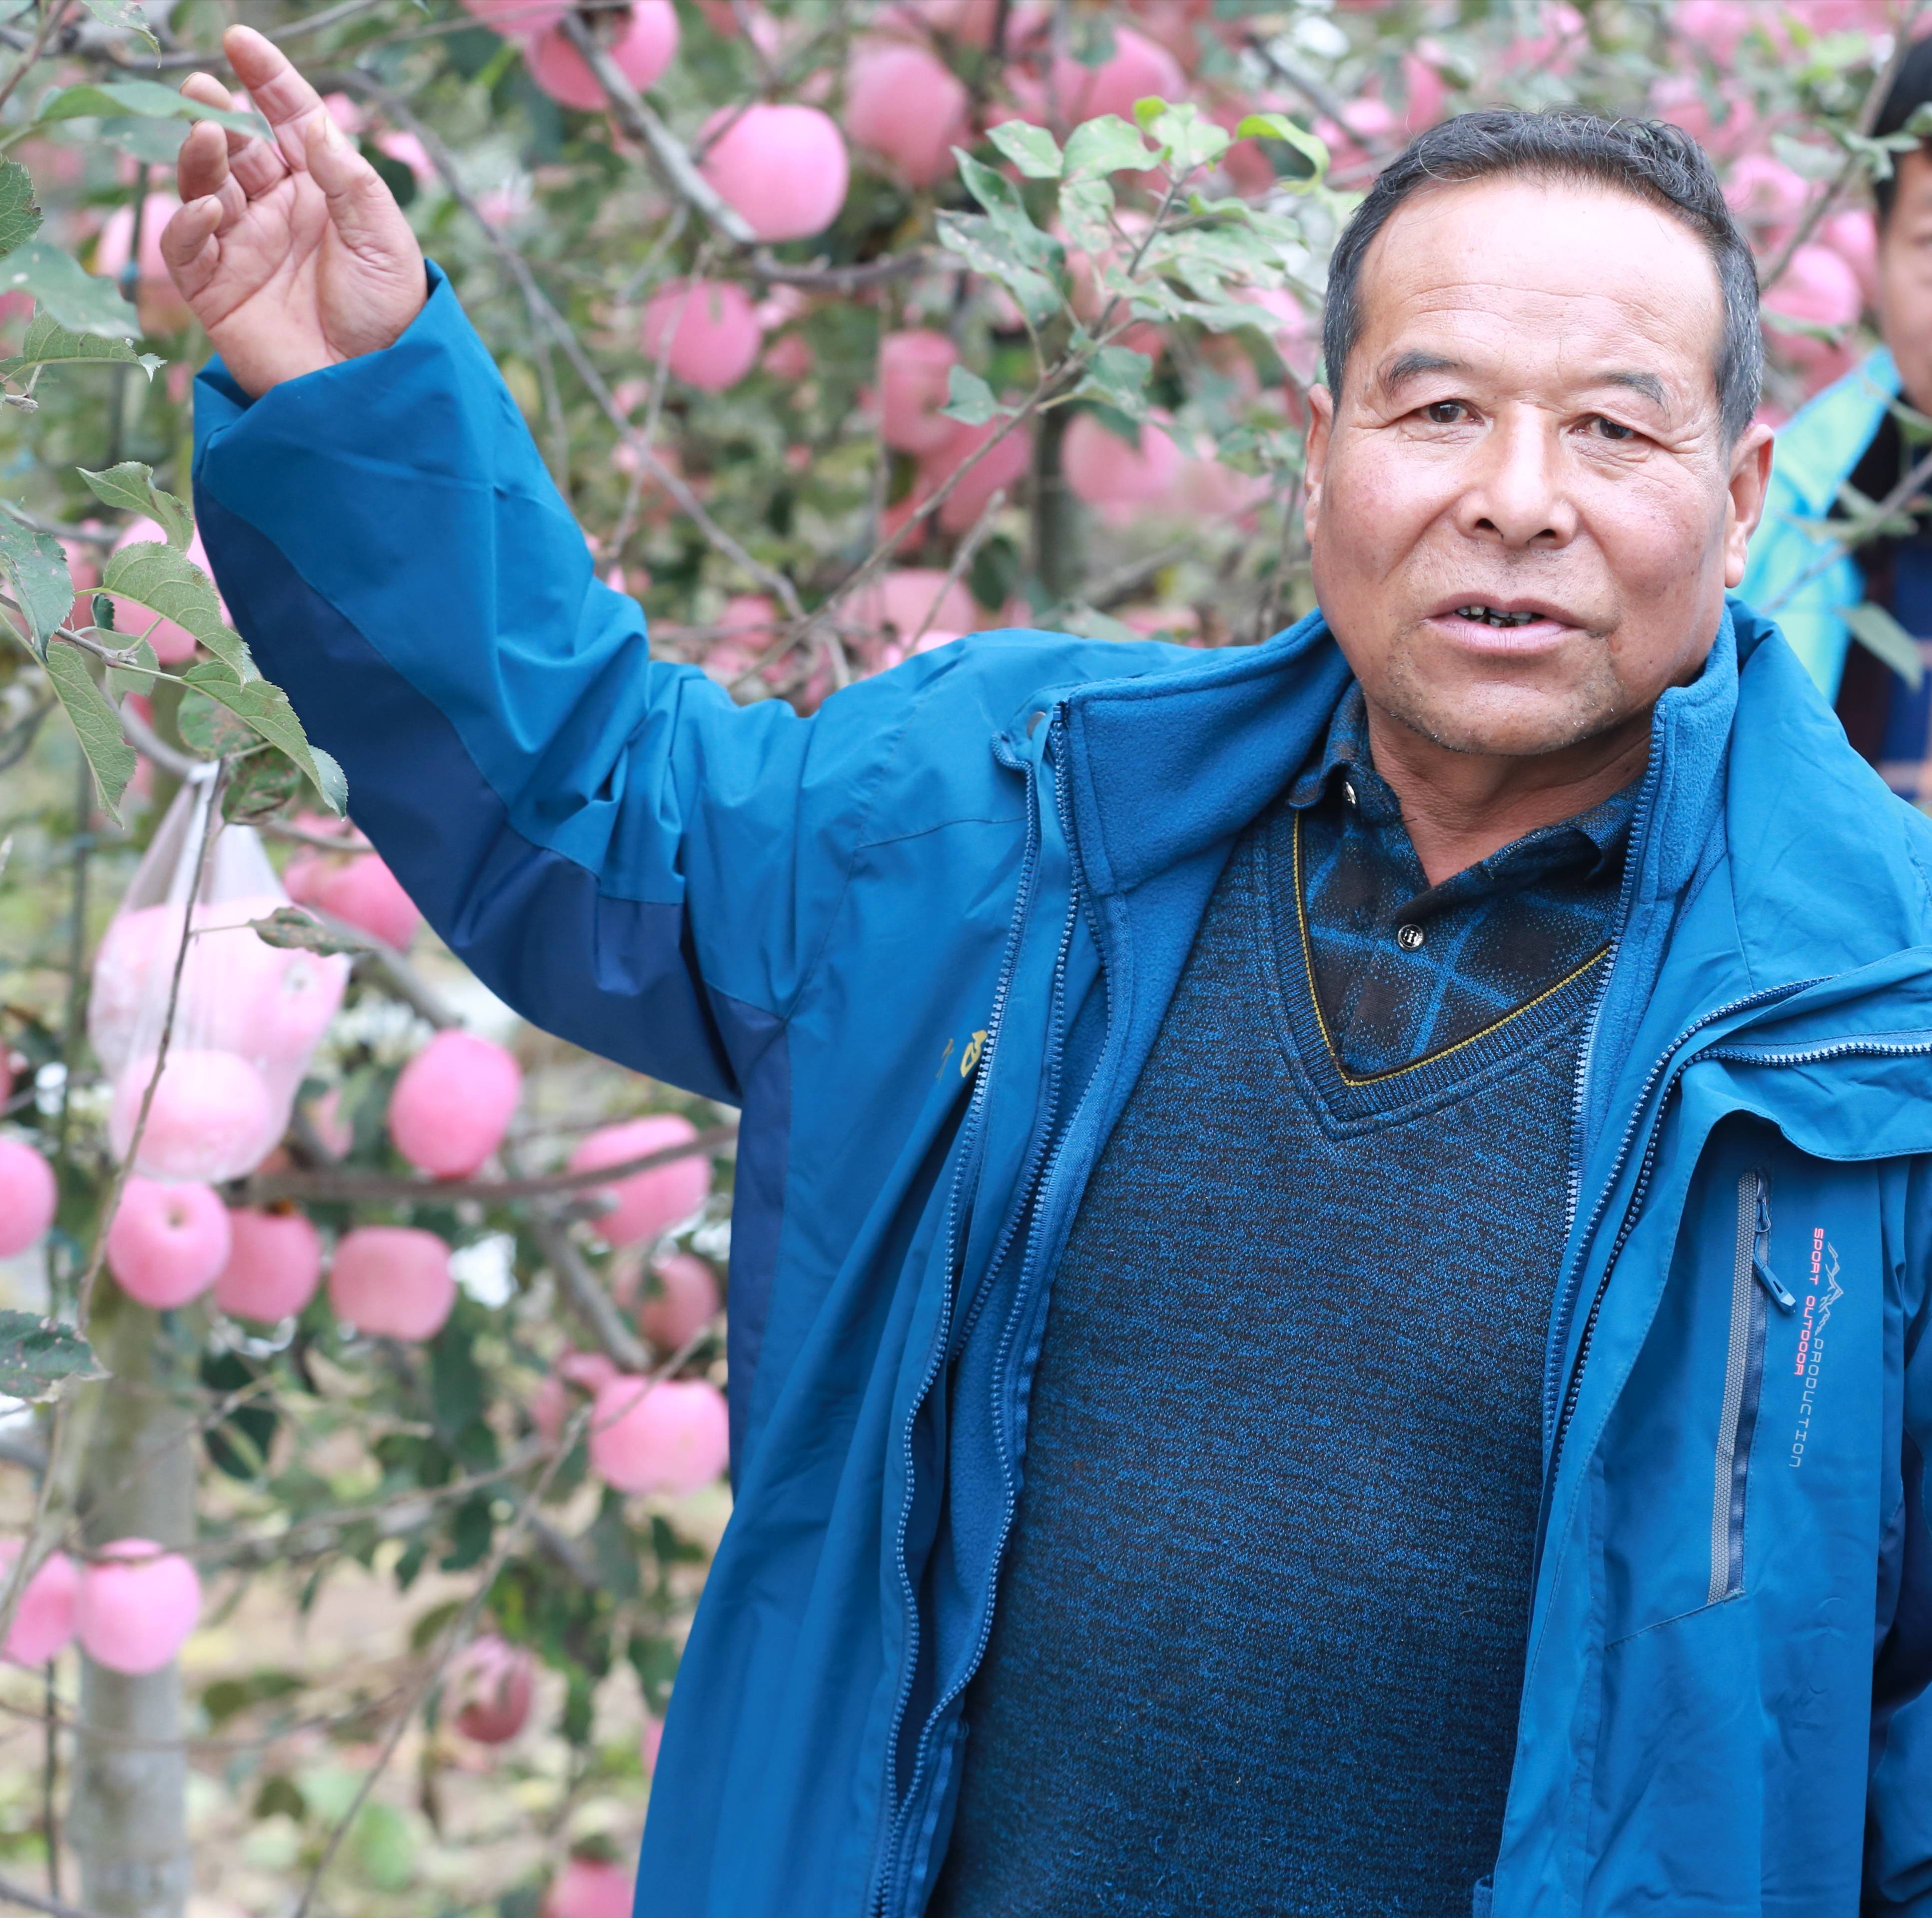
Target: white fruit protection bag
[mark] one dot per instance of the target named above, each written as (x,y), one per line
(249,1014)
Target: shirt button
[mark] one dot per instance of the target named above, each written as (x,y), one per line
(1410,938)
(1349,791)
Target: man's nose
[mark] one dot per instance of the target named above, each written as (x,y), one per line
(1516,491)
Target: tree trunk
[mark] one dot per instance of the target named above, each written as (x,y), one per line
(128,1821)
(1059,554)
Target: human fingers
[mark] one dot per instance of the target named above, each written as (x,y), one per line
(278,91)
(363,209)
(201,165)
(257,162)
(188,245)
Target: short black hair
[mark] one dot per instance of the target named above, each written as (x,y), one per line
(1911,88)
(1649,158)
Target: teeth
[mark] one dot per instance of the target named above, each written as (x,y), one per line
(1489,616)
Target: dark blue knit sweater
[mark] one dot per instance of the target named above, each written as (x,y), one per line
(1261,1630)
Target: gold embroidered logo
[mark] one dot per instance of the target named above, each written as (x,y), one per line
(970,1058)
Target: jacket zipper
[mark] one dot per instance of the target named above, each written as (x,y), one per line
(1042,1162)
(1747,1054)
(1752,1281)
(969,1136)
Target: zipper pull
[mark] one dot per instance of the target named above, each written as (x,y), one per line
(1761,1250)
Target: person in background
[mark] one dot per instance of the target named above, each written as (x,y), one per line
(1800,572)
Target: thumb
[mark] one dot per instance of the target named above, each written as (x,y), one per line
(364,210)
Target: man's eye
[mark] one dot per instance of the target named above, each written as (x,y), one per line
(1611,429)
(1444,412)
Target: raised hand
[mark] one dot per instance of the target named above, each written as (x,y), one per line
(293,255)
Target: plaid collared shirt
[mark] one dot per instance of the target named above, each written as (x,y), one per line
(1404,970)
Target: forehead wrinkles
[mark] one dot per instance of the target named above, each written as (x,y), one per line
(1534,337)
(1516,259)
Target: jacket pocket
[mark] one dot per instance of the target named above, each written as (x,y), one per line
(1754,1286)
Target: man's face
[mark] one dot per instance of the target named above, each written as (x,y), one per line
(1528,424)
(1905,277)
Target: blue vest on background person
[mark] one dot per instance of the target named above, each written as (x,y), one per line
(1799,575)
(925,938)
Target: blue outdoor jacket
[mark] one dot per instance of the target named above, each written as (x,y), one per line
(924,939)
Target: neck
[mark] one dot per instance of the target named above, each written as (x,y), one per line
(1459,807)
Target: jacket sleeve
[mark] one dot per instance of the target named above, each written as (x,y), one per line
(1898,1840)
(615,847)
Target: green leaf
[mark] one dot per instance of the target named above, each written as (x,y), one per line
(84,301)
(156,143)
(123,14)
(144,99)
(969,399)
(1105,145)
(1279,126)
(20,217)
(1032,149)
(208,727)
(1086,206)
(96,724)
(267,710)
(1119,376)
(38,1356)
(36,569)
(290,928)
(49,343)
(138,675)
(1189,139)
(164,579)
(265,783)
(131,485)
(1876,631)
(981,245)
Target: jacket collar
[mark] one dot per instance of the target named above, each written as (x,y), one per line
(1822,442)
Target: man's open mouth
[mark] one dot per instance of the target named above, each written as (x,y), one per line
(1491,616)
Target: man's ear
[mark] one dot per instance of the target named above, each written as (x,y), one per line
(1321,427)
(1750,475)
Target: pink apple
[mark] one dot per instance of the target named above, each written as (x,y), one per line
(906,602)
(648,1203)
(136,1605)
(274,1266)
(334,1133)
(173,645)
(554,1401)
(914,368)
(1004,467)
(162,309)
(133,964)
(684,1302)
(488,1689)
(646,47)
(704,331)
(517,18)
(908,106)
(1137,70)
(42,1624)
(167,1242)
(392,1281)
(669,1435)
(590,1888)
(28,1196)
(453,1102)
(782,166)
(211,1118)
(1106,472)
(1818,289)
(1765,194)
(1852,235)
(360,891)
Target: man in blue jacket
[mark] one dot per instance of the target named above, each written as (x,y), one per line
(1371,1188)
(1805,571)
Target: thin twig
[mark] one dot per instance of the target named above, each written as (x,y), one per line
(340,1185)
(592,1304)
(13,1893)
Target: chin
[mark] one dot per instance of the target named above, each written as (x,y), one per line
(1504,722)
